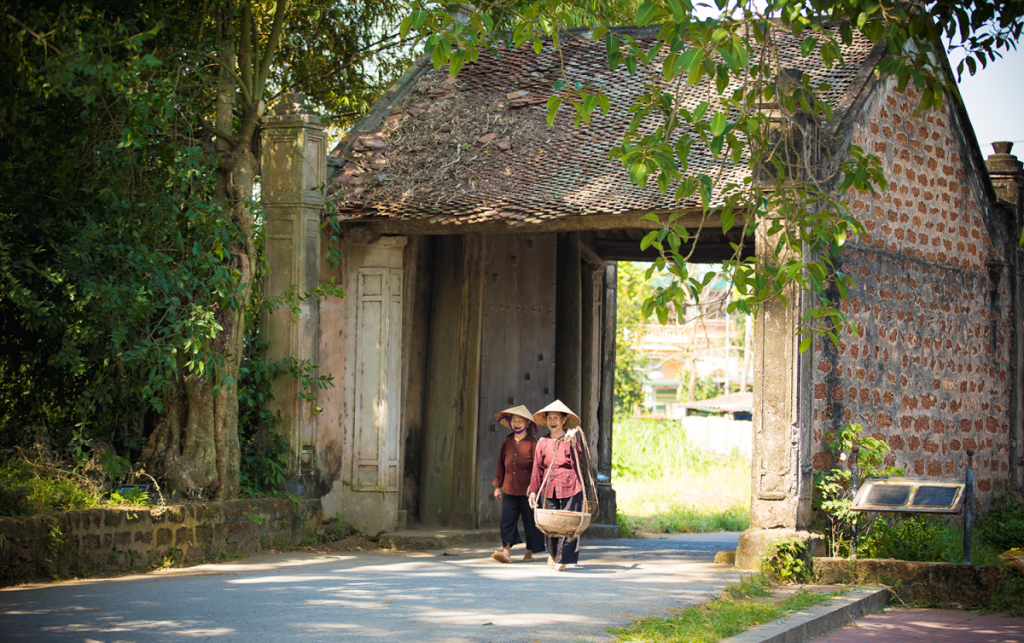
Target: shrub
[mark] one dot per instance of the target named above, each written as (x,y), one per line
(920,538)
(787,561)
(1002,526)
(27,488)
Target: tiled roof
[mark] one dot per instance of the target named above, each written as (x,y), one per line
(478,148)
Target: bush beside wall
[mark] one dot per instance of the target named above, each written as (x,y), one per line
(93,541)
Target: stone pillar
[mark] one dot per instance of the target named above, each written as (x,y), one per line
(781,477)
(294,170)
(1007,175)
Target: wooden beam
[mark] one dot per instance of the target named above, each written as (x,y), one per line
(706,252)
(590,256)
(568,323)
(590,358)
(606,410)
(570,223)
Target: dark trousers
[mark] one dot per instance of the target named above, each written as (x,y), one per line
(563,550)
(513,508)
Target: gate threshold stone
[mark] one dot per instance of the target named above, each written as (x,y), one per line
(423,539)
(805,625)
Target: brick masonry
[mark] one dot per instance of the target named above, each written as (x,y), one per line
(929,372)
(91,541)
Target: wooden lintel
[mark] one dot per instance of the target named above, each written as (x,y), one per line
(630,220)
(705,252)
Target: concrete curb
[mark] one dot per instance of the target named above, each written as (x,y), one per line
(820,619)
(419,540)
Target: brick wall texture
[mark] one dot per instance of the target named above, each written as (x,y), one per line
(929,372)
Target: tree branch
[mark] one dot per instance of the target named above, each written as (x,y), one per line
(268,52)
(245,55)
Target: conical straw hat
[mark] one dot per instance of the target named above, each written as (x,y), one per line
(571,422)
(505,417)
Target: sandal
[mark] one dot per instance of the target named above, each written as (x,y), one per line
(501,557)
(528,558)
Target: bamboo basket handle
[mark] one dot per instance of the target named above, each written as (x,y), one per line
(589,469)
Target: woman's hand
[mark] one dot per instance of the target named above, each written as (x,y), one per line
(532,499)
(497,493)
(571,435)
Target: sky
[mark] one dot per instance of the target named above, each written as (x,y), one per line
(995,101)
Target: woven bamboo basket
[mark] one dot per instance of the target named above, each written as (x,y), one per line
(555,522)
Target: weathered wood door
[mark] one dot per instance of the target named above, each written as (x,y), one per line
(373,376)
(517,364)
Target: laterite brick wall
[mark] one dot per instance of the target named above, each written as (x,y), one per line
(91,541)
(929,372)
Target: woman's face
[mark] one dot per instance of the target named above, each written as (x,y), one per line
(518,423)
(555,420)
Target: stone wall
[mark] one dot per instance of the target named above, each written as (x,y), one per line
(930,371)
(944,584)
(92,541)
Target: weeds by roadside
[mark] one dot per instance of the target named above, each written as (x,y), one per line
(664,484)
(740,607)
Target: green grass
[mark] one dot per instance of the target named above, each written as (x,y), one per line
(663,484)
(740,607)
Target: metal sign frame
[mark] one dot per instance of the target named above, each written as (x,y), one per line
(909,495)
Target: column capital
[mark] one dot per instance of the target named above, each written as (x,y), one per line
(294,155)
(291,110)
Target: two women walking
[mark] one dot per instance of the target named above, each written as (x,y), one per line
(522,466)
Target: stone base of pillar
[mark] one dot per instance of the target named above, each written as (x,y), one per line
(607,509)
(756,543)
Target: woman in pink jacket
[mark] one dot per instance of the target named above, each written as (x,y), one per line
(564,490)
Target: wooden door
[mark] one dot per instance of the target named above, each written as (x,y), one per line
(517,345)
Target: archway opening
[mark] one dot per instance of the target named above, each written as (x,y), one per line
(684,401)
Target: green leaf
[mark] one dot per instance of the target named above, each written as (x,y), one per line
(718,124)
(553,104)
(648,239)
(691,59)
(677,9)
(645,13)
(808,45)
(728,218)
(456,61)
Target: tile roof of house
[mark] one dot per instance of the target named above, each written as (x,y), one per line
(477,147)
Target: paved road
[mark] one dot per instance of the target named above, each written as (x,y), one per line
(930,626)
(453,596)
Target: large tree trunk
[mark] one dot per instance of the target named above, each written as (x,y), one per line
(194,447)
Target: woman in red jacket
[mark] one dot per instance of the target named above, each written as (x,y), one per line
(511,481)
(564,490)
